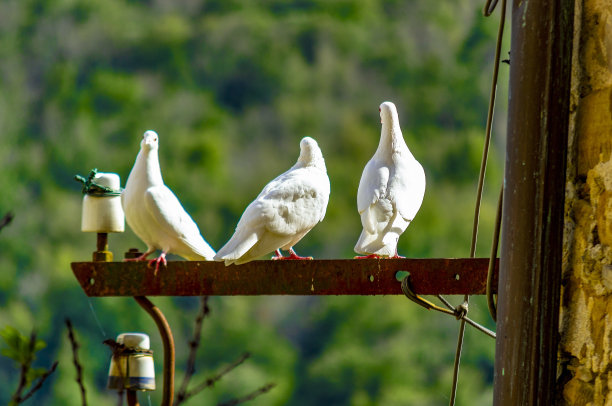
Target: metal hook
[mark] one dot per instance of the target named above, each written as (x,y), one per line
(489,7)
(409,292)
(459,312)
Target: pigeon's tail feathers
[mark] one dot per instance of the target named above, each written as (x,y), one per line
(237,246)
(372,244)
(383,242)
(200,251)
(253,247)
(267,243)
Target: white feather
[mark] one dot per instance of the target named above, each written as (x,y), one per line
(285,211)
(391,189)
(154,213)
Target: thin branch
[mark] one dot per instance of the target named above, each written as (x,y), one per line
(211,381)
(194,344)
(4,221)
(264,389)
(25,367)
(40,382)
(77,364)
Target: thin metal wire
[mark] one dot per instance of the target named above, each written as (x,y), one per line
(491,300)
(488,8)
(460,312)
(446,302)
(480,327)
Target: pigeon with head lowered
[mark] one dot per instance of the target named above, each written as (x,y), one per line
(390,191)
(155,214)
(285,210)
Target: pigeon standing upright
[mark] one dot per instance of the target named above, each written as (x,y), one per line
(390,191)
(155,214)
(285,210)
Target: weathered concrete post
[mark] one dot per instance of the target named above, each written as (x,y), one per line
(585,350)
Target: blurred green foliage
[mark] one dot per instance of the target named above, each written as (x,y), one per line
(231,87)
(22,350)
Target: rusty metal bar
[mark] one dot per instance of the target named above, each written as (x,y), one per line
(132,398)
(168,343)
(298,277)
(531,251)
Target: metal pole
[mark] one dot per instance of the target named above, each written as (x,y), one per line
(132,398)
(531,250)
(168,342)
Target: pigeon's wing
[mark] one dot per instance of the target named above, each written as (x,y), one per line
(372,187)
(410,188)
(170,216)
(296,202)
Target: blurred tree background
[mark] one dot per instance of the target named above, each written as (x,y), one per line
(231,87)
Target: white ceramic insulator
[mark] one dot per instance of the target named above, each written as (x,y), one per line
(133,371)
(103,214)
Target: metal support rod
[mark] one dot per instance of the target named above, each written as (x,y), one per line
(531,250)
(168,342)
(102,242)
(132,398)
(102,254)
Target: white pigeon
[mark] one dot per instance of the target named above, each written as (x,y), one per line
(285,210)
(390,191)
(155,214)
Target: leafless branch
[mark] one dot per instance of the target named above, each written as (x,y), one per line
(212,380)
(25,367)
(77,364)
(194,344)
(233,402)
(40,382)
(4,221)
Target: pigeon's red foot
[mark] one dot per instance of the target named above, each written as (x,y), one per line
(277,256)
(142,257)
(292,255)
(397,257)
(158,260)
(376,256)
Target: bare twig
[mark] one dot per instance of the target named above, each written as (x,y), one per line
(25,367)
(194,344)
(77,364)
(233,402)
(211,381)
(4,221)
(40,382)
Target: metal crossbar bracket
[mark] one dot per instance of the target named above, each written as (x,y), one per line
(454,276)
